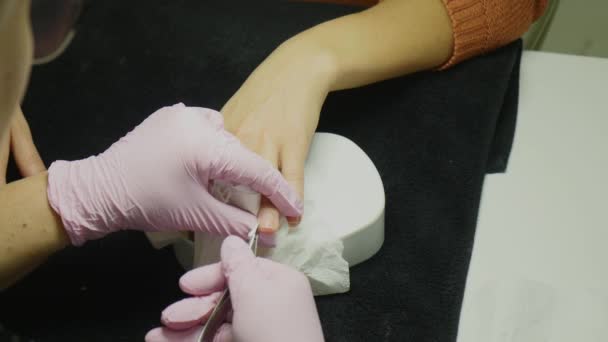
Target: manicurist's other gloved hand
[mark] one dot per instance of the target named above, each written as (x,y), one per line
(157,178)
(271,302)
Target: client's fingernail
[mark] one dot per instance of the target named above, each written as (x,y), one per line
(268,222)
(294,221)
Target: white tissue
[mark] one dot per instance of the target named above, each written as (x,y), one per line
(309,248)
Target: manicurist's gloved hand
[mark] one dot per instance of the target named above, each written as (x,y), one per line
(157,178)
(271,302)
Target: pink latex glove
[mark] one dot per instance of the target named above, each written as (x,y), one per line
(157,176)
(271,302)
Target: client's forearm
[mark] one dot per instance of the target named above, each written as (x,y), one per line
(29,228)
(393,38)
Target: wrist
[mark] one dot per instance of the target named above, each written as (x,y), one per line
(315,61)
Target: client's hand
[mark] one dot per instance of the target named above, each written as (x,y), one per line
(276,111)
(19,141)
(271,302)
(157,176)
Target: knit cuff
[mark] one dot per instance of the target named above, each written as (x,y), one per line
(470,29)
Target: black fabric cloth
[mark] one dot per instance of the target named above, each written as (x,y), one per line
(432,137)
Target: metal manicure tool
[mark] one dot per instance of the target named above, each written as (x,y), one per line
(219,314)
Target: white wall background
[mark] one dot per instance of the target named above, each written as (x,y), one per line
(579,27)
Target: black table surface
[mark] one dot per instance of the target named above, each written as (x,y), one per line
(432,137)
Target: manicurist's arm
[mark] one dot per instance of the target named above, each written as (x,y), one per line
(31,230)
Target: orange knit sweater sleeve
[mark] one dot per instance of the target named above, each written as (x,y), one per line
(480,26)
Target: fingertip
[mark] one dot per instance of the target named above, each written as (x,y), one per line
(203,280)
(292,171)
(268,216)
(224,333)
(267,239)
(155,335)
(294,221)
(267,230)
(286,200)
(189,312)
(245,167)
(234,252)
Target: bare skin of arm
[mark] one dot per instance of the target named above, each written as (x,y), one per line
(391,39)
(31,230)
